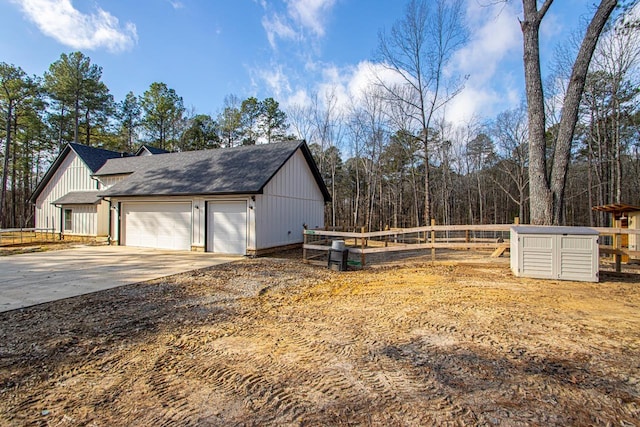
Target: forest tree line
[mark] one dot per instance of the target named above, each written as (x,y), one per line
(389,156)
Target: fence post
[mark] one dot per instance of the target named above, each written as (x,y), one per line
(362,256)
(433,240)
(386,237)
(617,244)
(304,246)
(516,220)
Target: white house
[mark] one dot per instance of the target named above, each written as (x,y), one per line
(66,199)
(242,200)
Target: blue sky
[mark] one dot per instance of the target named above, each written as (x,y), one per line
(286,49)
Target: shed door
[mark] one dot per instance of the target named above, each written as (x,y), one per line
(536,255)
(578,258)
(157,225)
(227,227)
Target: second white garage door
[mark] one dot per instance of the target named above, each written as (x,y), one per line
(157,225)
(227,227)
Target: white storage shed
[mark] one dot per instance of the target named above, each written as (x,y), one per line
(564,253)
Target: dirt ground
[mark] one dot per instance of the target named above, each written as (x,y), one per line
(271,341)
(44,246)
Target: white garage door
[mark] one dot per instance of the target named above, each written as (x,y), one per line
(227,227)
(157,225)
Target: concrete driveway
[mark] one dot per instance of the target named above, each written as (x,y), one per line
(35,278)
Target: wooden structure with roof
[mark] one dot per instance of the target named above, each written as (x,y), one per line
(624,216)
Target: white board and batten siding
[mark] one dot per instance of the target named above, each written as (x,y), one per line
(564,253)
(84,220)
(72,175)
(290,199)
(107,182)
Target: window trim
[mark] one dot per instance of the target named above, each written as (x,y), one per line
(68,221)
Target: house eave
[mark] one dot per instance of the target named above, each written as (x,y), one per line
(198,194)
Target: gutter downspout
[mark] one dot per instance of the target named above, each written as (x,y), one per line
(61,221)
(119,209)
(110,226)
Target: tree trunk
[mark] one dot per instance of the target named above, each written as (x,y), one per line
(60,129)
(88,134)
(5,169)
(480,198)
(590,182)
(427,186)
(357,200)
(571,105)
(14,178)
(76,118)
(540,197)
(333,193)
(162,135)
(547,195)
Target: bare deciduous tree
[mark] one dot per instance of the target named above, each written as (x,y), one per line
(547,191)
(511,136)
(417,49)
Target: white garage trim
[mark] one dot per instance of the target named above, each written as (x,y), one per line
(227,227)
(161,225)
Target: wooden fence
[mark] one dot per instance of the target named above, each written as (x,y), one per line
(496,237)
(19,236)
(611,244)
(489,237)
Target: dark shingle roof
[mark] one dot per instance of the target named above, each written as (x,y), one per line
(79,198)
(151,150)
(94,158)
(240,170)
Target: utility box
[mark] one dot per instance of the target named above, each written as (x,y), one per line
(564,253)
(338,256)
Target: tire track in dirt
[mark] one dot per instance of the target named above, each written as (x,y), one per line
(276,343)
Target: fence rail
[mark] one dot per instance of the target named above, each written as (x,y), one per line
(14,236)
(494,236)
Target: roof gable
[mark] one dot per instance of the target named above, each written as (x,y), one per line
(146,150)
(93,158)
(240,170)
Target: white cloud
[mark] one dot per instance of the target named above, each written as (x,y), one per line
(310,14)
(368,75)
(276,81)
(552,26)
(298,98)
(176,4)
(494,49)
(495,37)
(60,20)
(277,26)
(495,34)
(302,17)
(344,85)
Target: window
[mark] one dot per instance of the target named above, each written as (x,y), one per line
(67,220)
